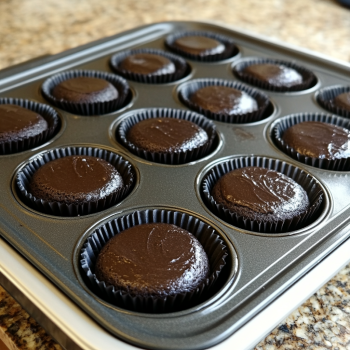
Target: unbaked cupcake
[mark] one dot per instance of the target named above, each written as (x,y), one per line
(75,181)
(149,66)
(86,92)
(167,136)
(25,124)
(225,100)
(202,46)
(275,75)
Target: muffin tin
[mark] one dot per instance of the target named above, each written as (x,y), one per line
(260,266)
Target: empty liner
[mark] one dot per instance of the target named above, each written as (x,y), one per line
(213,245)
(282,124)
(231,49)
(89,108)
(47,112)
(24,176)
(309,78)
(326,98)
(182,68)
(187,89)
(168,157)
(306,181)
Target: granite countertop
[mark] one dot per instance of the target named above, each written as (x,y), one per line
(34,28)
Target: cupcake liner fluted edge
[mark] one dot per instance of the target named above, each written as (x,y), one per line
(25,175)
(213,245)
(173,158)
(307,182)
(88,108)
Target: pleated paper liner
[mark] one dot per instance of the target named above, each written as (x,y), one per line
(47,112)
(264,110)
(182,68)
(282,124)
(306,181)
(309,78)
(231,49)
(211,241)
(168,157)
(24,176)
(326,98)
(88,108)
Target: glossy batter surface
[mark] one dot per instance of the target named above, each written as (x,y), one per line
(85,90)
(17,123)
(318,140)
(224,100)
(259,192)
(147,63)
(153,259)
(342,100)
(199,45)
(276,75)
(167,135)
(75,179)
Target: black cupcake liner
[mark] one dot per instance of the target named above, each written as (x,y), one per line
(89,108)
(309,78)
(171,157)
(182,68)
(282,124)
(47,112)
(231,49)
(326,98)
(262,99)
(213,245)
(306,181)
(24,176)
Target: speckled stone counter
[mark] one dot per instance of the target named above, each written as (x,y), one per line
(29,29)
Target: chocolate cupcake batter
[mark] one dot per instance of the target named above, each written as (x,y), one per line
(342,101)
(260,194)
(154,259)
(147,63)
(318,140)
(17,123)
(224,100)
(199,45)
(167,135)
(275,75)
(85,90)
(75,179)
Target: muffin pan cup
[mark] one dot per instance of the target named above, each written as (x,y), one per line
(182,68)
(169,157)
(187,89)
(207,236)
(309,78)
(282,124)
(307,182)
(48,113)
(231,49)
(24,176)
(92,108)
(326,96)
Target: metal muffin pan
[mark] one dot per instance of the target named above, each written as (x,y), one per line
(267,264)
